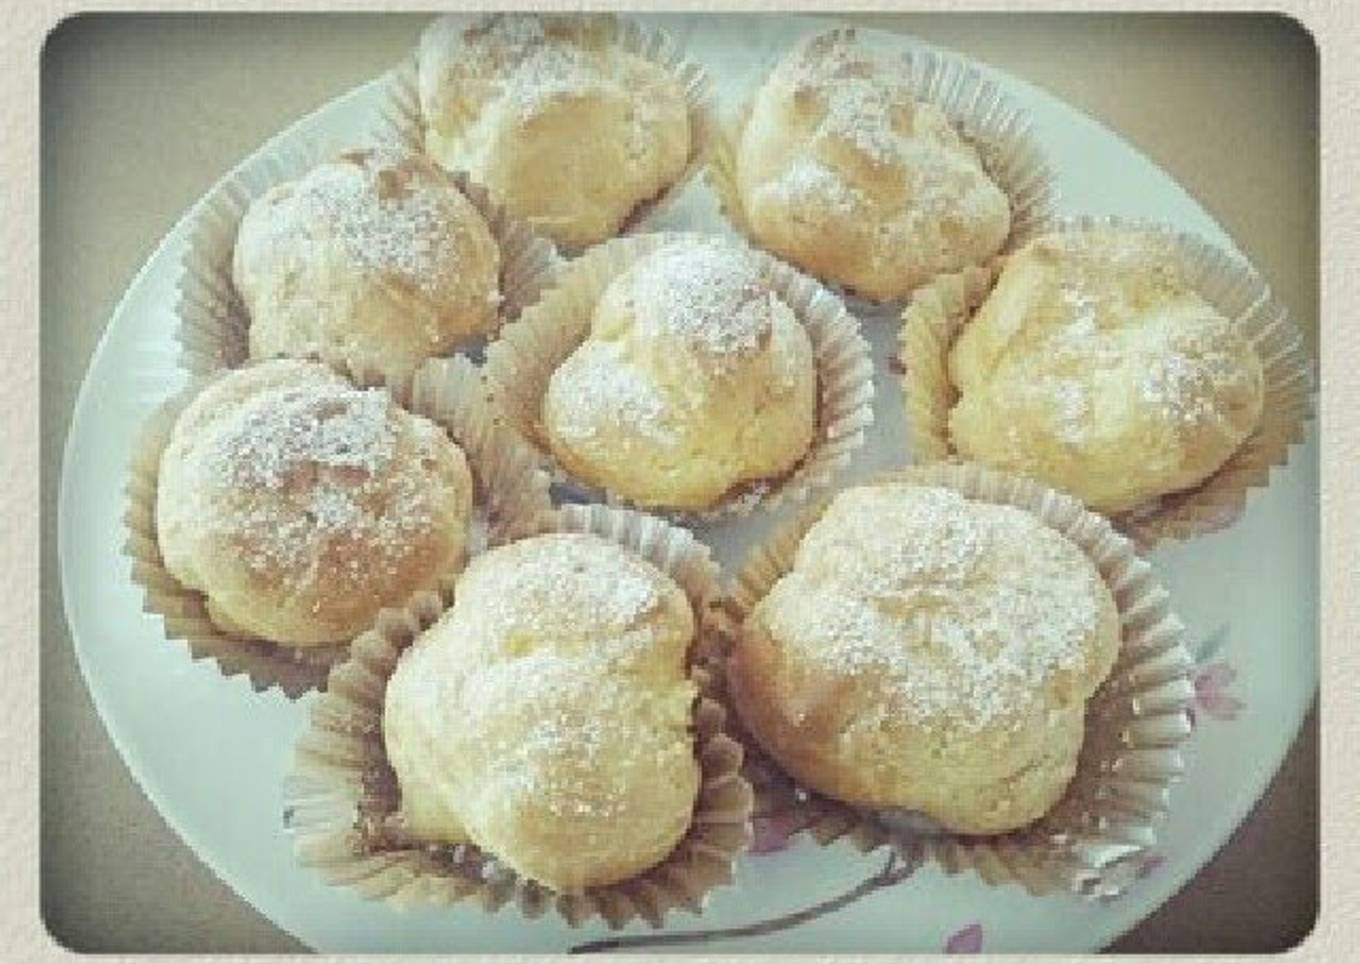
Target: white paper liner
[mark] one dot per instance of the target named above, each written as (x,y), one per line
(404,122)
(341,792)
(510,496)
(213,330)
(520,363)
(940,310)
(1135,722)
(981,112)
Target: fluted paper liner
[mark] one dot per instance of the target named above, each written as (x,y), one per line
(510,494)
(978,108)
(405,122)
(520,363)
(213,331)
(1090,841)
(342,791)
(939,311)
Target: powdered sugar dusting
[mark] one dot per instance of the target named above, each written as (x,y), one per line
(391,214)
(711,294)
(313,466)
(1076,338)
(1183,387)
(509,34)
(711,297)
(543,585)
(549,73)
(329,426)
(532,61)
(559,664)
(1071,404)
(569,722)
(867,100)
(910,185)
(963,610)
(1118,302)
(591,394)
(805,181)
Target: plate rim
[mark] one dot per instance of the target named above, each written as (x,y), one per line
(1130,912)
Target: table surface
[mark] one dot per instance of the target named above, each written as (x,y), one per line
(142,113)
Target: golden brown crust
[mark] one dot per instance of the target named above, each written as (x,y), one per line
(374,260)
(842,171)
(929,653)
(696,379)
(546,717)
(567,130)
(1095,367)
(300,506)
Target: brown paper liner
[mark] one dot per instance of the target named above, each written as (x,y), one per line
(998,128)
(213,322)
(510,496)
(404,121)
(1089,842)
(342,791)
(940,310)
(520,363)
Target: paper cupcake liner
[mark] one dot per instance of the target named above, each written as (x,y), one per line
(521,362)
(978,108)
(510,496)
(213,331)
(1089,843)
(341,792)
(940,310)
(405,123)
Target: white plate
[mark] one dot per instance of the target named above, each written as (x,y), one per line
(211,754)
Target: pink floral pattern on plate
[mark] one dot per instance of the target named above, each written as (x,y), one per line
(1211,680)
(773,833)
(965,941)
(1211,698)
